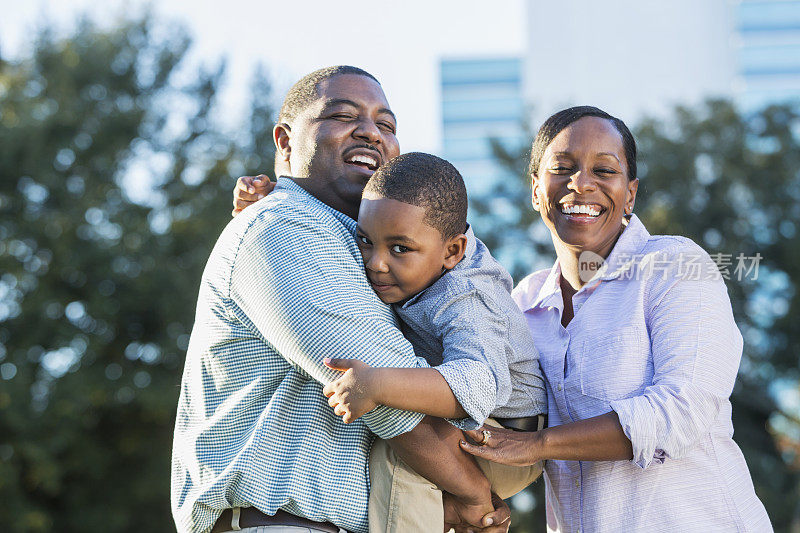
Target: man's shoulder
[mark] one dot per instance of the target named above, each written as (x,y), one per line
(289,213)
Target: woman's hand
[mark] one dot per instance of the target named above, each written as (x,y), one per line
(249,190)
(353,394)
(504,446)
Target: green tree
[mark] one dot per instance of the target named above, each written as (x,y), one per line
(729,181)
(98,290)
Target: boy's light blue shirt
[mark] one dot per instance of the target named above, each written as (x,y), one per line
(469,328)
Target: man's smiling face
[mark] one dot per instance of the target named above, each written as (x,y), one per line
(340,139)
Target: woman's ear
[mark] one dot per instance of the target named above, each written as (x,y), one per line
(454,250)
(633,187)
(535,192)
(281,135)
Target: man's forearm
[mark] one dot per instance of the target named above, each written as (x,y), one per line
(431,449)
(422,390)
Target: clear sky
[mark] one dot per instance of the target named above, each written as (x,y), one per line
(400,42)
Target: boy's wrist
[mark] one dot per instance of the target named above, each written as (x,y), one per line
(376,386)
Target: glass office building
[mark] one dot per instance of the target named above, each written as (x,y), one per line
(768,39)
(481,99)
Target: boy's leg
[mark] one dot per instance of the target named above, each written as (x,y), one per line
(400,500)
(508,480)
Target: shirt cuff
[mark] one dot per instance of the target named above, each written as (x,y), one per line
(639,425)
(386,422)
(474,386)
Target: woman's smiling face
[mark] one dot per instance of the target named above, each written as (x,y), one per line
(582,189)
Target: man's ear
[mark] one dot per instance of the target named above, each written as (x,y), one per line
(535,192)
(281,135)
(454,250)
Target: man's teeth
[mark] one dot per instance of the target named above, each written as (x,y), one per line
(581,209)
(365,159)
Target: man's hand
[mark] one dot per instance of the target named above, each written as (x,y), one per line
(461,517)
(353,394)
(249,190)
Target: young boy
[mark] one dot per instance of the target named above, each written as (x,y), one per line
(455,306)
(454,301)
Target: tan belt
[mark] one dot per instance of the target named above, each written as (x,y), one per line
(252,517)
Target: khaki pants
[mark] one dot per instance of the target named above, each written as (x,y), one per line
(402,501)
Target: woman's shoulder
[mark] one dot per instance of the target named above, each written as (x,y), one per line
(528,288)
(673,248)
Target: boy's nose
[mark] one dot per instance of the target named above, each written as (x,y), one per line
(377,264)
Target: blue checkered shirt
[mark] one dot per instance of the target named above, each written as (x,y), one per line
(284,288)
(467,325)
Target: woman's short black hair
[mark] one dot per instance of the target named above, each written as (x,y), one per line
(426,181)
(557,122)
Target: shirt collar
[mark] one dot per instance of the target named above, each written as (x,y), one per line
(288,182)
(549,293)
(469,251)
(622,257)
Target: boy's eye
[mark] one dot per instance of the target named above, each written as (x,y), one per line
(560,169)
(362,239)
(399,249)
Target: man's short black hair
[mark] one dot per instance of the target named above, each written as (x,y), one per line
(426,181)
(557,122)
(305,91)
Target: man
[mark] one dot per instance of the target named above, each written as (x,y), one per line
(283,289)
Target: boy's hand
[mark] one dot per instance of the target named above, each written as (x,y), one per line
(352,395)
(249,190)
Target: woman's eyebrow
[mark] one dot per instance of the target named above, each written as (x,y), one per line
(611,155)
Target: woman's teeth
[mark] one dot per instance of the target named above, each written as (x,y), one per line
(580,209)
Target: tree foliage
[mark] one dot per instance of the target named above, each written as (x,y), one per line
(114,185)
(731,182)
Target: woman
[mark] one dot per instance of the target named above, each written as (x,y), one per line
(639,349)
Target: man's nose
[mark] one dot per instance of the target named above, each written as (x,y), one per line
(582,181)
(368,131)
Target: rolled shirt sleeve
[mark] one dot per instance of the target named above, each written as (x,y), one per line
(696,348)
(305,293)
(475,338)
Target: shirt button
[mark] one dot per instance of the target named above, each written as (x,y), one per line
(559,387)
(577,484)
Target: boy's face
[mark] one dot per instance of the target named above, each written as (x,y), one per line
(402,254)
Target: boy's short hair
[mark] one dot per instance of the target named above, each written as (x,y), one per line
(426,181)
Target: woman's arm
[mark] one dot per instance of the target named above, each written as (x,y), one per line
(599,438)
(695,349)
(362,387)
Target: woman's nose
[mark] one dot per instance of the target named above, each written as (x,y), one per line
(582,181)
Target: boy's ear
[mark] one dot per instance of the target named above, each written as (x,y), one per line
(454,251)
(281,135)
